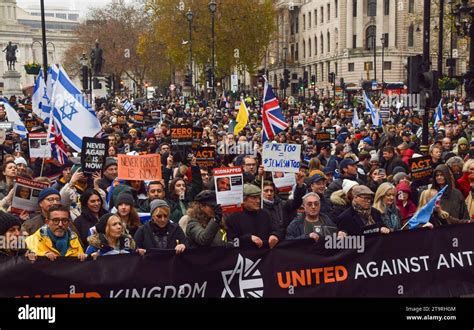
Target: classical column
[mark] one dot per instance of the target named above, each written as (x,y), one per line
(349,25)
(360,23)
(392,24)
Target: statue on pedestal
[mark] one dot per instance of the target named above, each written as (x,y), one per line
(11,55)
(97,59)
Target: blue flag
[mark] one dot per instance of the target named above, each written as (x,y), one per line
(18,126)
(423,215)
(374,114)
(438,115)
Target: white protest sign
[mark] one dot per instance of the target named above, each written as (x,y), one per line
(229,187)
(26,195)
(281,157)
(39,147)
(284,180)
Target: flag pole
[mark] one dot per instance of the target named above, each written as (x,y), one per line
(50,125)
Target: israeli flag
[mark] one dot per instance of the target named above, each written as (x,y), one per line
(127,106)
(40,97)
(18,126)
(74,116)
(355,119)
(438,115)
(374,114)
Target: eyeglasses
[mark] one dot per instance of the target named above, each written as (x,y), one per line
(313,204)
(56,221)
(52,200)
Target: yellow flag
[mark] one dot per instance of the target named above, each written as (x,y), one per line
(242,118)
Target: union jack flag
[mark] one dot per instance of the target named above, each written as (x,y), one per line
(58,149)
(272,118)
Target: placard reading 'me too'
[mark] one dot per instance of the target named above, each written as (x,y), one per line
(93,154)
(281,157)
(145,167)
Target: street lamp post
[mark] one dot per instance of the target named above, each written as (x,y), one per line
(465,27)
(441,37)
(212,5)
(383,57)
(189,16)
(375,57)
(45,45)
(285,82)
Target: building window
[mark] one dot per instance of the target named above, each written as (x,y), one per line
(315,17)
(336,68)
(316,72)
(304,49)
(368,66)
(322,44)
(411,31)
(354,41)
(322,71)
(328,67)
(322,14)
(304,22)
(309,47)
(370,36)
(329,12)
(411,6)
(354,8)
(315,45)
(386,7)
(350,67)
(371,7)
(387,65)
(309,20)
(297,23)
(292,54)
(335,7)
(329,42)
(296,52)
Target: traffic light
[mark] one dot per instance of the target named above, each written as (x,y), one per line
(286,77)
(305,79)
(300,82)
(146,84)
(188,79)
(343,84)
(282,83)
(96,84)
(414,70)
(313,80)
(209,76)
(108,83)
(332,77)
(430,92)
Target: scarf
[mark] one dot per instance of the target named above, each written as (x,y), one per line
(391,218)
(365,214)
(60,243)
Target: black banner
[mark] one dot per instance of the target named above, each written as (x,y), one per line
(93,154)
(416,263)
(205,156)
(181,142)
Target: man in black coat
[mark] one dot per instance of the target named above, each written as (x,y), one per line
(348,168)
(361,218)
(392,160)
(253,226)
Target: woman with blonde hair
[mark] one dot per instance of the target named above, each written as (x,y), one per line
(463,182)
(439,216)
(470,197)
(384,201)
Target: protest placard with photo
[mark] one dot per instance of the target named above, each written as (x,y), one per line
(421,170)
(144,167)
(205,156)
(281,157)
(26,195)
(284,181)
(229,188)
(93,154)
(38,145)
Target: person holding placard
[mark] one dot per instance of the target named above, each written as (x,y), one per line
(252,227)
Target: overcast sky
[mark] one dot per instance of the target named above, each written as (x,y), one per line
(81,5)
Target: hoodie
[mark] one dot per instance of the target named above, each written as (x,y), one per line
(452,200)
(409,209)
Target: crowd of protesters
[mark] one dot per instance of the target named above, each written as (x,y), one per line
(359,183)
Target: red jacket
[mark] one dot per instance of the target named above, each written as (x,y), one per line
(406,155)
(463,184)
(407,211)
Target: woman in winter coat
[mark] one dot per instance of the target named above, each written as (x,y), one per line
(91,210)
(404,203)
(384,201)
(439,217)
(110,238)
(452,200)
(160,233)
(127,213)
(470,197)
(205,226)
(7,178)
(463,182)
(341,200)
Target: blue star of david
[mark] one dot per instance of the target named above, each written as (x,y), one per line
(45,96)
(71,112)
